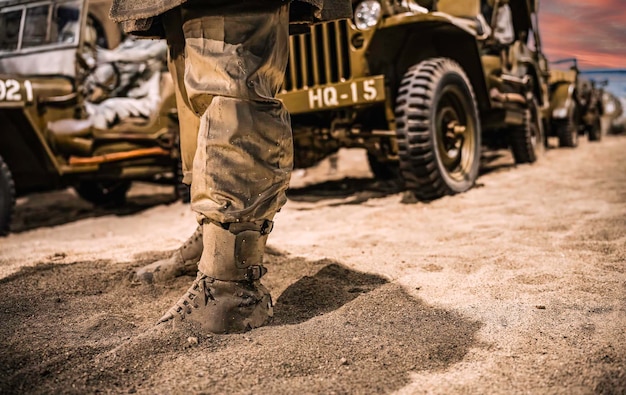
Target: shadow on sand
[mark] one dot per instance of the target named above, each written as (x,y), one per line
(347,190)
(64,206)
(82,328)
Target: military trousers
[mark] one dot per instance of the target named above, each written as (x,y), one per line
(227,59)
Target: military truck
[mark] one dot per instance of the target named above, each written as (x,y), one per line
(422,86)
(575,104)
(48,52)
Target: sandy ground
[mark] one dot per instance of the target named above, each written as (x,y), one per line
(517,286)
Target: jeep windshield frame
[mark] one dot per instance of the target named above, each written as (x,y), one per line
(28,27)
(51,49)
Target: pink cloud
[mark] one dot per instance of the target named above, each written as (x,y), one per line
(594,32)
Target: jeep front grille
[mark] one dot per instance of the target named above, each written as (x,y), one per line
(318,58)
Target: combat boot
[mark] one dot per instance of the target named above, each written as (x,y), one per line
(183,261)
(227,296)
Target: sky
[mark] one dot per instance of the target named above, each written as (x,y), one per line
(594,31)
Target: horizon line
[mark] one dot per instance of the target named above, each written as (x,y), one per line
(604,70)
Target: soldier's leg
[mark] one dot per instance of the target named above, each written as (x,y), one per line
(184,260)
(235,59)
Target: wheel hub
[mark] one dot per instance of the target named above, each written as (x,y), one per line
(453,137)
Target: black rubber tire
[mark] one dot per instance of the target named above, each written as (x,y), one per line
(434,96)
(527,141)
(182,190)
(567,131)
(7,198)
(104,193)
(595,130)
(383,171)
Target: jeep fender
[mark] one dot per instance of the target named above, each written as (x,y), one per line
(405,40)
(563,100)
(26,106)
(530,68)
(26,152)
(538,90)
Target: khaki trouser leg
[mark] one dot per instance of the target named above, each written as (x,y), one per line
(189,126)
(188,121)
(232,68)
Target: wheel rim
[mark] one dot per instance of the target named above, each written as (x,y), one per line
(455,133)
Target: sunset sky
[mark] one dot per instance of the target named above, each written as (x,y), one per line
(594,31)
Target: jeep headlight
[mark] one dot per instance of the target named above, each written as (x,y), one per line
(367,14)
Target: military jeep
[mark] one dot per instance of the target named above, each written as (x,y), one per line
(422,86)
(575,104)
(48,52)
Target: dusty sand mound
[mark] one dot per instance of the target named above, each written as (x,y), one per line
(79,328)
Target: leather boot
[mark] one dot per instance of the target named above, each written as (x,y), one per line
(183,261)
(226,296)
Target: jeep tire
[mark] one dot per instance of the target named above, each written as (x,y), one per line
(527,141)
(438,130)
(7,197)
(567,130)
(104,193)
(181,190)
(594,130)
(384,171)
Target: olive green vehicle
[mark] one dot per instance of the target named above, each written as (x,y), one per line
(613,113)
(46,141)
(576,105)
(422,86)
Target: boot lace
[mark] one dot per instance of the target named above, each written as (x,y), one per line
(190,298)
